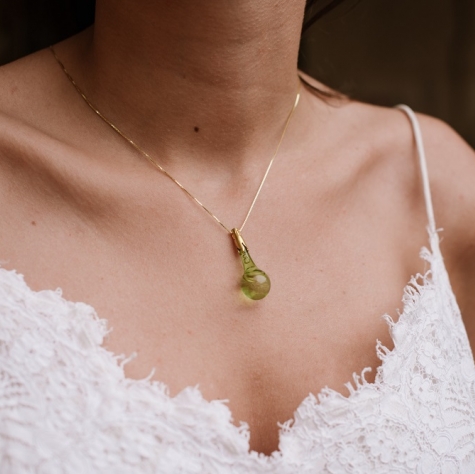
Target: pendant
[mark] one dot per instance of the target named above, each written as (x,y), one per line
(255,284)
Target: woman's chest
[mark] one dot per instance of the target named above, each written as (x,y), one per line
(167,282)
(61,383)
(177,304)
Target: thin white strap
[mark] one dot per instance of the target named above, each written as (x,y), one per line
(423,164)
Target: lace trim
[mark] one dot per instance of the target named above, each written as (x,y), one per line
(314,411)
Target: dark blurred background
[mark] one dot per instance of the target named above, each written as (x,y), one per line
(418,52)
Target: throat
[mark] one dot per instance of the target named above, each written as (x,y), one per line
(192,77)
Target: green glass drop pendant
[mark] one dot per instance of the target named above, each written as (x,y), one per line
(255,283)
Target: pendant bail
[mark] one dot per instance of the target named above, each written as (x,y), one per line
(239,241)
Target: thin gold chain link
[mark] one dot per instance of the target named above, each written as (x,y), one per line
(159,167)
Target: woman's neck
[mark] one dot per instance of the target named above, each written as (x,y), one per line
(205,79)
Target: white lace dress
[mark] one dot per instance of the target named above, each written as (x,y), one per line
(66,406)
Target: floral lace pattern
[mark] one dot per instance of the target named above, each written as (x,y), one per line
(66,406)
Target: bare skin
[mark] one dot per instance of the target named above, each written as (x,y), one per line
(338,226)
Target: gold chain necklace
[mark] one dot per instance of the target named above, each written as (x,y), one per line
(255,283)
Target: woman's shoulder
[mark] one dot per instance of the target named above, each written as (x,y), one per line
(39,124)
(386,138)
(451,171)
(451,164)
(39,152)
(27,95)
(26,107)
(450,160)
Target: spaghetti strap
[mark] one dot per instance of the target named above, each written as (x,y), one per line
(423,164)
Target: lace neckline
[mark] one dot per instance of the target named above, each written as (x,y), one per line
(412,294)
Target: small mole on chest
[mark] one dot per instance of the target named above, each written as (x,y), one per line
(196,129)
